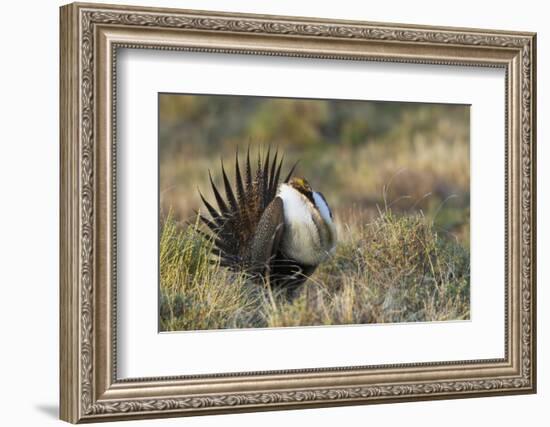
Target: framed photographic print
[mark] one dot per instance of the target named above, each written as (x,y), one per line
(265,212)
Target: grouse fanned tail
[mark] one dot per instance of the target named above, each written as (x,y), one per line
(273,230)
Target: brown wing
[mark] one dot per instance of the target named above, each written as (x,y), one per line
(266,240)
(237,217)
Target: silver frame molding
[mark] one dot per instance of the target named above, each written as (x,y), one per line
(90,37)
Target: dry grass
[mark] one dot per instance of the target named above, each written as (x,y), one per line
(395,268)
(196,294)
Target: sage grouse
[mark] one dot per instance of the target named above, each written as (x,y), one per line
(277,232)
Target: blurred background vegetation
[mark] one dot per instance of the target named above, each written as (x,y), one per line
(396,176)
(365,156)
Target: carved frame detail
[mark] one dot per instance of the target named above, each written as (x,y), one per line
(81,24)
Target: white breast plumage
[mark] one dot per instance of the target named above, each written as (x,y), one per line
(309,234)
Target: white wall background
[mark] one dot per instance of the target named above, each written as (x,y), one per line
(29,171)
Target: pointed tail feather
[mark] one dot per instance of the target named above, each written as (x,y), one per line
(229,192)
(233,224)
(291,171)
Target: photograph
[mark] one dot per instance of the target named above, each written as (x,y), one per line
(291,212)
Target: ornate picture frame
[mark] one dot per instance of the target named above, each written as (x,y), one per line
(90,37)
